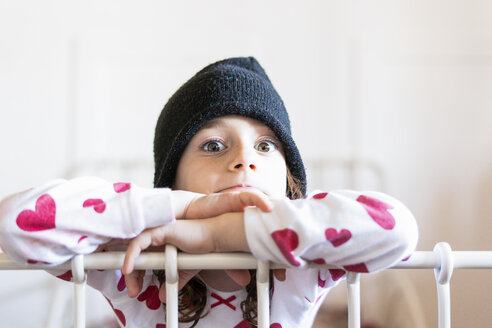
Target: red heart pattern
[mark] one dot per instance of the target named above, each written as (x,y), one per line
(118,313)
(31,261)
(121,284)
(67,276)
(337,238)
(98,204)
(319,261)
(42,218)
(378,211)
(120,316)
(243,324)
(160,325)
(81,238)
(317,299)
(275,325)
(151,297)
(287,240)
(336,274)
(320,195)
(121,186)
(359,267)
(406,258)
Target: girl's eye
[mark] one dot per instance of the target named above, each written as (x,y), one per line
(265,146)
(213,146)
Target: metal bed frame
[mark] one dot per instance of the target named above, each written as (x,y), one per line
(442,259)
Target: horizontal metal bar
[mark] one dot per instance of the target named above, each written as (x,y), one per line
(153,260)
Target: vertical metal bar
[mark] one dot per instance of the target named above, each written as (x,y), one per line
(263,293)
(444,305)
(443,276)
(79,278)
(171,287)
(353,298)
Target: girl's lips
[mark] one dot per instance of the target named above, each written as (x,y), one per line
(239,187)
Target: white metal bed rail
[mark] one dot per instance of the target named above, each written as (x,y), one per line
(442,259)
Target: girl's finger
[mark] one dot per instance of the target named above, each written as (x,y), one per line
(279,274)
(240,277)
(136,246)
(134,282)
(162,293)
(259,200)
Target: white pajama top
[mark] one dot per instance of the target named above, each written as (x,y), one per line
(354,231)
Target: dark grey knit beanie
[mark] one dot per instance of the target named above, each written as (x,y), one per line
(235,86)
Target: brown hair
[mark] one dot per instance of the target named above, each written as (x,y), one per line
(193,296)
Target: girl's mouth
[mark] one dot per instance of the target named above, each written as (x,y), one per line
(239,187)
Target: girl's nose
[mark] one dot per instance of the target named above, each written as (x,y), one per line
(239,166)
(242,160)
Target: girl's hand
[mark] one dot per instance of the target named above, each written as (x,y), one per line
(223,233)
(189,205)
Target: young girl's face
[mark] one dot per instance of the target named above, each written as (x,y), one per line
(233,153)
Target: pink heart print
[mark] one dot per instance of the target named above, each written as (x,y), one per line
(243,324)
(320,195)
(275,325)
(98,204)
(118,313)
(151,297)
(287,240)
(337,238)
(31,261)
(378,211)
(336,274)
(359,267)
(406,258)
(67,276)
(120,316)
(121,284)
(121,186)
(317,299)
(42,218)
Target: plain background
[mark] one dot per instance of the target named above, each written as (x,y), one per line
(402,86)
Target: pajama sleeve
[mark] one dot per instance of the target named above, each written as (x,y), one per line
(359,232)
(52,223)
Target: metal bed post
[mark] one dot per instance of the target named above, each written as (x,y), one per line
(171,286)
(79,282)
(353,298)
(443,276)
(263,293)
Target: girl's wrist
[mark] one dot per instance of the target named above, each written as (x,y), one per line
(181,201)
(229,233)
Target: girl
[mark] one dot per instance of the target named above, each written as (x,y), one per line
(223,143)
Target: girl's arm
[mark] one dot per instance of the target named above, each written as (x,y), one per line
(51,223)
(360,232)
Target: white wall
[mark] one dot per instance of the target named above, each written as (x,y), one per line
(407,84)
